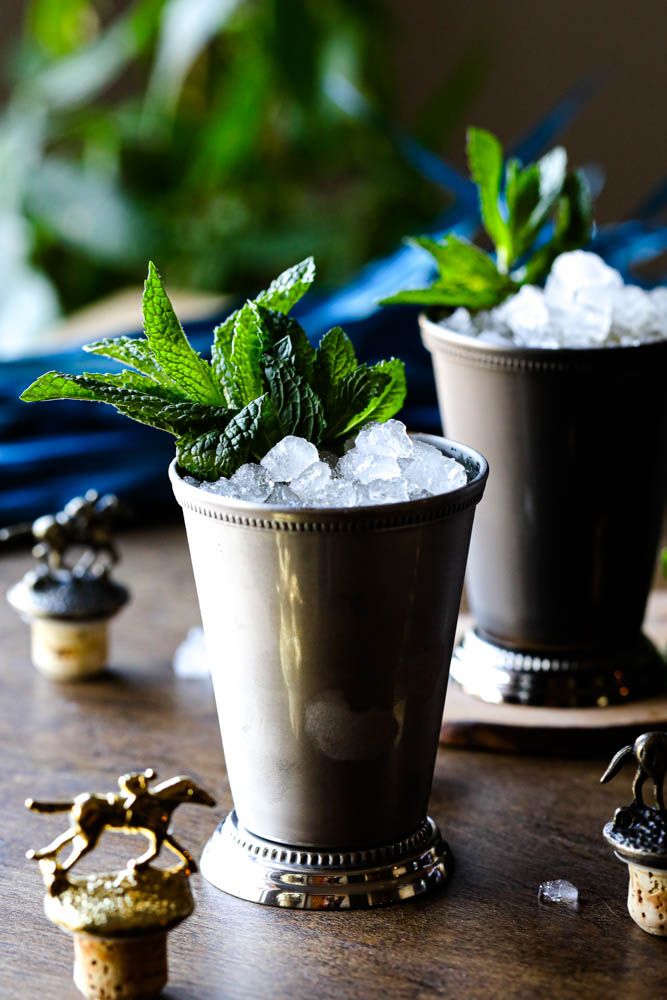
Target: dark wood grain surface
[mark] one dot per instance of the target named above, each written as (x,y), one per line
(512,822)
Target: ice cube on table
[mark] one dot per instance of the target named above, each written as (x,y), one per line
(428,469)
(191,658)
(559,891)
(358,466)
(282,496)
(288,458)
(312,480)
(390,438)
(251,482)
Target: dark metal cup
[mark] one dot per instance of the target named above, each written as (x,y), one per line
(331,633)
(564,548)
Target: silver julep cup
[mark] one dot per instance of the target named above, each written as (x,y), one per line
(330,633)
(564,548)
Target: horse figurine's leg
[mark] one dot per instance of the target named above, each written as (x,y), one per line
(188,861)
(82,844)
(637,785)
(154,849)
(52,849)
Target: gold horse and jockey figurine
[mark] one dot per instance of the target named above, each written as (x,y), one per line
(119,920)
(137,808)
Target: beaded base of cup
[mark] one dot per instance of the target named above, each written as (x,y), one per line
(293,877)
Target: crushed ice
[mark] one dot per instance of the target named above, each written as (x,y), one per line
(559,892)
(583,304)
(382,464)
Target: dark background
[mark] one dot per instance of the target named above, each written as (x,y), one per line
(534,53)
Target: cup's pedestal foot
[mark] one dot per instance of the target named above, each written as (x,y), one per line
(274,874)
(497,674)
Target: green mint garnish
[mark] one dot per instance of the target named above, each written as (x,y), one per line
(265,380)
(516,202)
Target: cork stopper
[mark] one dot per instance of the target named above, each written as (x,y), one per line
(69,621)
(647,899)
(69,651)
(120,968)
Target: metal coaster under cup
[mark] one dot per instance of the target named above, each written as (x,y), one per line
(497,674)
(263,871)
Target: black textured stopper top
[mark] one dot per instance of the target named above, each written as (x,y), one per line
(67,597)
(638,832)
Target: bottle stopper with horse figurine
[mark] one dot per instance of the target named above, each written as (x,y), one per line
(638,832)
(120,919)
(69,596)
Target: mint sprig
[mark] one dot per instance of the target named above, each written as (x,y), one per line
(530,213)
(265,380)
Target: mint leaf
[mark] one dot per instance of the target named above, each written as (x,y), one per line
(279,327)
(197,454)
(299,410)
(170,346)
(143,406)
(279,297)
(221,352)
(485,160)
(335,359)
(181,418)
(251,341)
(392,397)
(467,277)
(534,196)
(132,351)
(574,222)
(349,399)
(552,168)
(213,454)
(273,382)
(462,263)
(290,286)
(449,296)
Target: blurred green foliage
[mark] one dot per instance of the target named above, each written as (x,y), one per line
(224,138)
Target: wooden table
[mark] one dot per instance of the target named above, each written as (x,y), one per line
(512,822)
